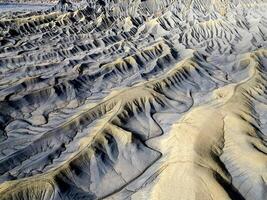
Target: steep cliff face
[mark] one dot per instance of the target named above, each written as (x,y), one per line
(134,99)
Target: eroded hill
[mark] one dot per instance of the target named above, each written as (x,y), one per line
(134,100)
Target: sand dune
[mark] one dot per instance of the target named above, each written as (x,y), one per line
(134,100)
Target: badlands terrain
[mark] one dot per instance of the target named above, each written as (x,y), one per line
(131,99)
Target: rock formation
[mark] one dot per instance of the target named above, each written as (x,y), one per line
(134,99)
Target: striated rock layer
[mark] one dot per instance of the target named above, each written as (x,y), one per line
(159,100)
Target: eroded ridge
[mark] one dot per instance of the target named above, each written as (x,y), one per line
(134,100)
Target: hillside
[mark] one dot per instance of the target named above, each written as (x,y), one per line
(131,99)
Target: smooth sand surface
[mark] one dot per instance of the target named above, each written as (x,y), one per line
(141,100)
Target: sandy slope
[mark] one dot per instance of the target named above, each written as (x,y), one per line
(134,100)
